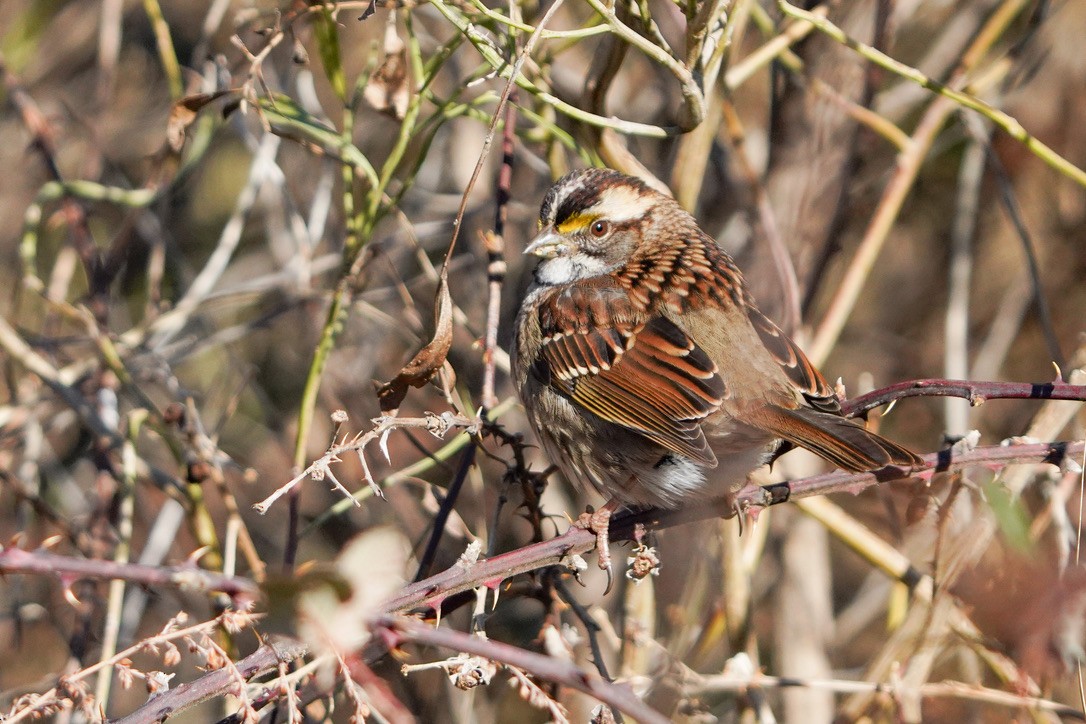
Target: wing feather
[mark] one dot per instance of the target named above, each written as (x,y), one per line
(845,443)
(643,373)
(795,364)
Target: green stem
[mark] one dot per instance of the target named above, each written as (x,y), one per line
(166,51)
(121,554)
(497,61)
(1009,124)
(56,190)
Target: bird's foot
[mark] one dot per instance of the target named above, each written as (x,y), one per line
(598,522)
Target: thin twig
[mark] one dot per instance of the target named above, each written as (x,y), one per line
(321,468)
(592,629)
(35,705)
(495,255)
(960,274)
(949,91)
(901,182)
(168,325)
(943,689)
(42,140)
(442,517)
(493,56)
(400,630)
(488,140)
(1014,211)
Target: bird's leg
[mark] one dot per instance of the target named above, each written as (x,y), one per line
(598,521)
(738,509)
(745,508)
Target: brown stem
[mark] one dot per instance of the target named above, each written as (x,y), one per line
(495,253)
(16,560)
(976,392)
(215,683)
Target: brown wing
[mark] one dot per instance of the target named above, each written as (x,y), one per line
(795,364)
(646,375)
(844,442)
(820,427)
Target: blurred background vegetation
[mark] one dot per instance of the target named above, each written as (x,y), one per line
(222,221)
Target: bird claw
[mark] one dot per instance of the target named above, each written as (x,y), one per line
(598,522)
(740,515)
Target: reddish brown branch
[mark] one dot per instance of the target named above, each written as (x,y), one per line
(399,630)
(491,572)
(993,457)
(16,560)
(215,683)
(976,392)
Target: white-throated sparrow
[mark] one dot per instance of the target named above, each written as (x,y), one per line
(645,367)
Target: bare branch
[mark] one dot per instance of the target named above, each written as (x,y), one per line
(188,577)
(399,630)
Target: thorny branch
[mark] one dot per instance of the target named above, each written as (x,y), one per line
(320,469)
(214,683)
(562,549)
(976,392)
(32,706)
(70,569)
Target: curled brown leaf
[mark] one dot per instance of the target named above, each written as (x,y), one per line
(427,361)
(184,112)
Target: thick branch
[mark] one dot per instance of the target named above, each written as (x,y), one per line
(491,572)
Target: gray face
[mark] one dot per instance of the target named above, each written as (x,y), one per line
(591,222)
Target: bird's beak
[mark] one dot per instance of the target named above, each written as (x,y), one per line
(547,245)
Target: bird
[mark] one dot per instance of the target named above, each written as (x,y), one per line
(645,367)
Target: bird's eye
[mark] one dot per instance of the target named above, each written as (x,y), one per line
(599,229)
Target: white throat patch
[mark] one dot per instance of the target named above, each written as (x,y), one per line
(566,269)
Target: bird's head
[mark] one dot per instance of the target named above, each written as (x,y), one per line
(592,222)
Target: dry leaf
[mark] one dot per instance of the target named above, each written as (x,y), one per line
(184,112)
(1028,608)
(428,360)
(370,10)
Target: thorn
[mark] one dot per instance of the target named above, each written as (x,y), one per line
(383,443)
(50,542)
(196,555)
